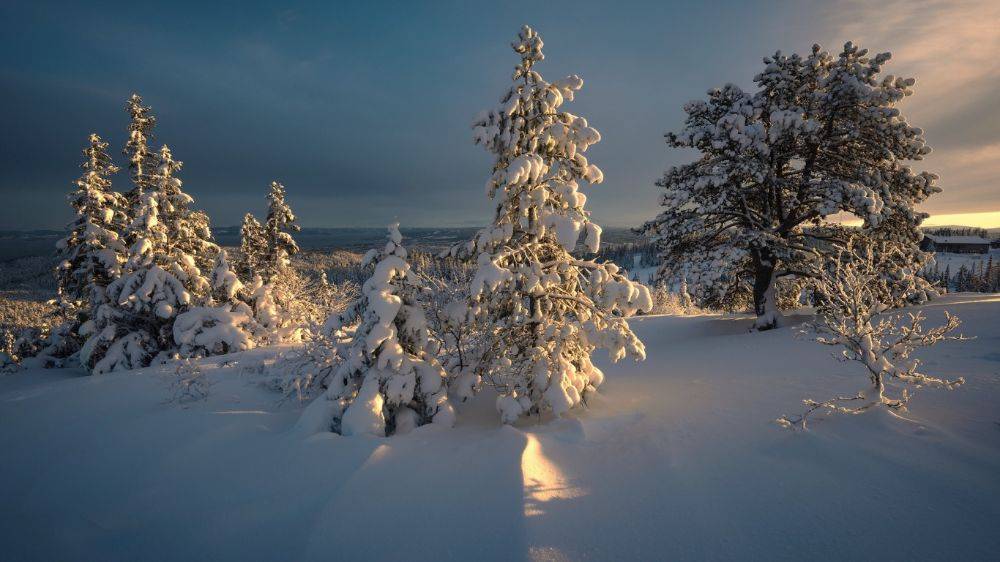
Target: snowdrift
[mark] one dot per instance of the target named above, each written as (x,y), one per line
(678,459)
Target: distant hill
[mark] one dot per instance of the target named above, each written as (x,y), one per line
(27,243)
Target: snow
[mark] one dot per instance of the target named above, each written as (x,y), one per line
(955,261)
(957,239)
(677,458)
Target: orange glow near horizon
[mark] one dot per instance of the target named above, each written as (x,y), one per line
(989,219)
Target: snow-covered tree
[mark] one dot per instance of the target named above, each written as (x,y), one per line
(226,287)
(224,324)
(214,330)
(90,255)
(278,229)
(389,380)
(161,278)
(142,162)
(277,291)
(253,246)
(820,135)
(684,296)
(545,311)
(855,291)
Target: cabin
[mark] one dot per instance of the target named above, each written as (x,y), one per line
(955,244)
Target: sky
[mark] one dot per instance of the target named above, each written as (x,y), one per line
(363,109)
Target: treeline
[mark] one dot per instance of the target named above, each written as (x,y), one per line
(981,276)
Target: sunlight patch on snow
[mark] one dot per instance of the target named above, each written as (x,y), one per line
(973,298)
(543,480)
(546,554)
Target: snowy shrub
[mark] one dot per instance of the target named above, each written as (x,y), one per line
(677,303)
(189,383)
(7,363)
(854,293)
(37,333)
(544,310)
(281,309)
(461,334)
(214,330)
(304,371)
(224,325)
(821,135)
(389,380)
(294,306)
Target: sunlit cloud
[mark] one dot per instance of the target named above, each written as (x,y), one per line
(978,220)
(951,48)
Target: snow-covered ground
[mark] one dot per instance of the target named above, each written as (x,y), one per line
(680,459)
(955,261)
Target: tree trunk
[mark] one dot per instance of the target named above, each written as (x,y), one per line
(765,299)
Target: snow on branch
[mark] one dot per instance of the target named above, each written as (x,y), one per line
(854,293)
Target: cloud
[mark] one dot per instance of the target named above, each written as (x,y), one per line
(951,48)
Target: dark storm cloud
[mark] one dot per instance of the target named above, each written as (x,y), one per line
(361,109)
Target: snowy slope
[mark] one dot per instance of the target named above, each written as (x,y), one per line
(955,261)
(679,460)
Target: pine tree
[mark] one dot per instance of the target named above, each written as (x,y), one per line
(545,311)
(252,248)
(141,160)
(389,380)
(280,246)
(91,254)
(160,279)
(819,136)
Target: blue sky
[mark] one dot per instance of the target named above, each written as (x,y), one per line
(362,109)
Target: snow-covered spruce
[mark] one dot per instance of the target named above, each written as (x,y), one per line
(224,324)
(854,291)
(544,311)
(252,248)
(819,136)
(277,292)
(90,255)
(142,162)
(278,229)
(161,278)
(389,380)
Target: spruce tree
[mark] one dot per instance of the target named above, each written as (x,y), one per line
(141,159)
(278,229)
(160,279)
(545,311)
(252,248)
(91,254)
(389,380)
